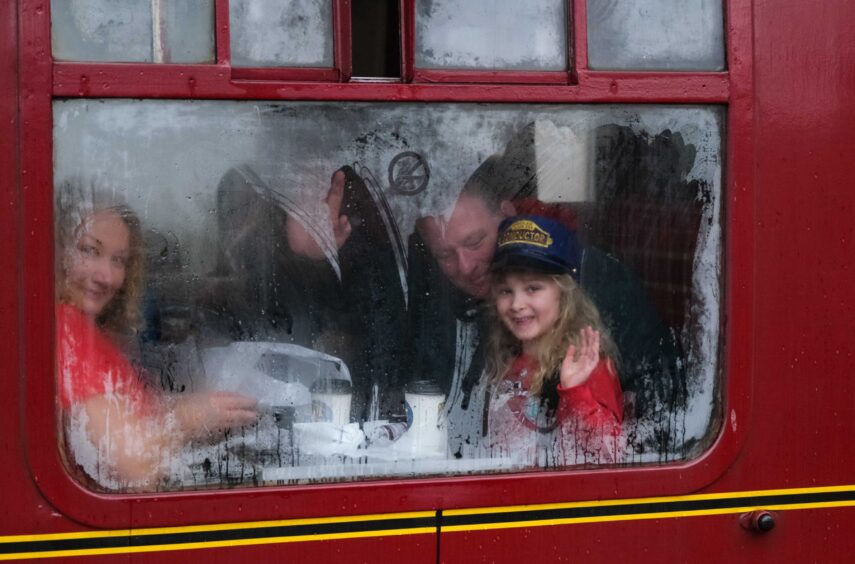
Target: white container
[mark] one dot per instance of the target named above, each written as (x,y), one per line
(278,375)
(427,431)
(331,401)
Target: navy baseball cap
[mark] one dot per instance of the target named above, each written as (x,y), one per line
(538,243)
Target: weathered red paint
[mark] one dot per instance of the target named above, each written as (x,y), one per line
(281,74)
(221,31)
(18,488)
(408,39)
(789,311)
(579,23)
(342,39)
(491,76)
(221,82)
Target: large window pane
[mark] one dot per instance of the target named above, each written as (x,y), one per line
(656,34)
(491,34)
(281,33)
(157,31)
(355,310)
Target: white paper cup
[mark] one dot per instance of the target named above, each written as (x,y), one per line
(331,402)
(425,403)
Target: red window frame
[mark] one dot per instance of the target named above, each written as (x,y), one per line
(42,80)
(408,11)
(340,71)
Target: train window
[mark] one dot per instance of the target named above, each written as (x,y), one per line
(376,38)
(133,31)
(275,33)
(493,34)
(656,35)
(310,256)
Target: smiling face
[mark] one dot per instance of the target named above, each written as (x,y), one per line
(529,305)
(96,264)
(464,245)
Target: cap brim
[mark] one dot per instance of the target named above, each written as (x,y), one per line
(514,261)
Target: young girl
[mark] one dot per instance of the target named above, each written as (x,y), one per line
(555,395)
(119,433)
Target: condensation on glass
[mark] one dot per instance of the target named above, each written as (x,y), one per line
(491,34)
(364,349)
(680,35)
(147,31)
(281,33)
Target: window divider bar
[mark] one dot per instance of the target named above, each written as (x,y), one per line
(343,39)
(222,39)
(144,80)
(489,76)
(286,74)
(408,40)
(578,43)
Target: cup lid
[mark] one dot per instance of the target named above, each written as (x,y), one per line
(424,387)
(331,386)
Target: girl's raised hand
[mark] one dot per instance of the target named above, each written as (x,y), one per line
(579,362)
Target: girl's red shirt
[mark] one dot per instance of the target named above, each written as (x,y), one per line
(597,403)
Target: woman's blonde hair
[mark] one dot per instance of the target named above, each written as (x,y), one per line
(576,312)
(77,202)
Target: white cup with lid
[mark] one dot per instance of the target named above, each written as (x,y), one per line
(331,400)
(427,430)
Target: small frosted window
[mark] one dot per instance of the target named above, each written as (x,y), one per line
(144,31)
(281,33)
(656,34)
(491,34)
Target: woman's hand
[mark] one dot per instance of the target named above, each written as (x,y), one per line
(134,443)
(208,412)
(579,362)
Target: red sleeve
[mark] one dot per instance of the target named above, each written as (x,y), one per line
(89,364)
(598,402)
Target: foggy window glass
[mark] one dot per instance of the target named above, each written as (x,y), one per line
(147,31)
(281,33)
(273,293)
(491,34)
(656,34)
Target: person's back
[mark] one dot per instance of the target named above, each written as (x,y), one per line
(351,306)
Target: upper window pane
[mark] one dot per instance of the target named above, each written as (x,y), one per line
(281,33)
(491,34)
(330,261)
(656,35)
(148,31)
(376,34)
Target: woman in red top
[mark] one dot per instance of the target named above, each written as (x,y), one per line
(119,433)
(555,397)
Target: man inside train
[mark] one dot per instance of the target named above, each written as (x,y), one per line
(448,282)
(462,243)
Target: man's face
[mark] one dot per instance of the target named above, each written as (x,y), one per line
(464,245)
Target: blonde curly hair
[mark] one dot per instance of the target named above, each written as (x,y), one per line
(576,312)
(76,202)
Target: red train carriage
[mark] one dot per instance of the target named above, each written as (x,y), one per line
(697,151)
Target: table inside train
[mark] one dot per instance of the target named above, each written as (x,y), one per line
(269,455)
